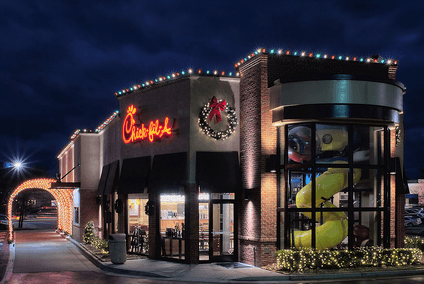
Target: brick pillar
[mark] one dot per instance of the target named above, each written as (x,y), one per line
(192,224)
(400,213)
(397,196)
(268,180)
(154,245)
(122,217)
(257,215)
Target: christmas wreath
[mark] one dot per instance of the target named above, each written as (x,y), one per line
(213,110)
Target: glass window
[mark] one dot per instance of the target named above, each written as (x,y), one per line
(368,145)
(300,229)
(172,225)
(223,229)
(331,229)
(138,225)
(367,230)
(329,170)
(298,181)
(223,196)
(367,189)
(331,143)
(203,229)
(299,144)
(76,215)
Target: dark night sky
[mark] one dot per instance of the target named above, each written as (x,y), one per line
(62,61)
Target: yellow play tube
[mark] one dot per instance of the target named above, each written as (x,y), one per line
(334,228)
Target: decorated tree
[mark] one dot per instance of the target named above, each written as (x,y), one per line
(89,233)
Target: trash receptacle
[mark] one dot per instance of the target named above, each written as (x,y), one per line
(118,248)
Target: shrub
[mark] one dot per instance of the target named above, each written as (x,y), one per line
(90,238)
(102,245)
(307,258)
(89,233)
(414,242)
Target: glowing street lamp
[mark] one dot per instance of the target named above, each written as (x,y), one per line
(18,165)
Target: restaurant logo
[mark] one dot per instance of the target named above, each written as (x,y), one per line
(210,117)
(132,132)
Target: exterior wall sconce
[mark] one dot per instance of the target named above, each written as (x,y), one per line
(247,193)
(271,164)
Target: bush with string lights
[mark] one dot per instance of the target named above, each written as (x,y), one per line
(414,242)
(90,238)
(297,260)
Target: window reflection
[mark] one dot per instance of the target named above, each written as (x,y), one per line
(299,144)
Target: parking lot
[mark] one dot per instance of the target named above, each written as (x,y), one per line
(416,230)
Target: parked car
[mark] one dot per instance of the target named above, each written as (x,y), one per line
(4,219)
(412,221)
(47,212)
(415,212)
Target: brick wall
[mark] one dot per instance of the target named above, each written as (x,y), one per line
(258,222)
(250,158)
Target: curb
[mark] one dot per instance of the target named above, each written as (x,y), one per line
(10,262)
(97,262)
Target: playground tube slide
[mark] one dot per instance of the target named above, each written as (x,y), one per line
(335,225)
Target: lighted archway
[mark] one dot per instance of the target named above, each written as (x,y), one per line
(63,198)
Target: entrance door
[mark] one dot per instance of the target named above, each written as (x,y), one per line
(221,231)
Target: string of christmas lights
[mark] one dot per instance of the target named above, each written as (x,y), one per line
(78,131)
(315,55)
(107,121)
(63,197)
(98,130)
(308,258)
(174,76)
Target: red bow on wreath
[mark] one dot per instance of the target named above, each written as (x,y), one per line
(216,109)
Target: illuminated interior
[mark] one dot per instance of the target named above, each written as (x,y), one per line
(172,225)
(64,199)
(138,225)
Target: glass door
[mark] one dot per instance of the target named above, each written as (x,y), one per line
(221,230)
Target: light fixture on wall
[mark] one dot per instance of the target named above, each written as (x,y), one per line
(247,193)
(271,164)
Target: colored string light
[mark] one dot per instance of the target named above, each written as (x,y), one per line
(176,75)
(311,55)
(107,122)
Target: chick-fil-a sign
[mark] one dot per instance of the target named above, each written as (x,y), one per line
(133,133)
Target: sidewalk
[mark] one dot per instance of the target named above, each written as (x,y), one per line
(4,253)
(235,272)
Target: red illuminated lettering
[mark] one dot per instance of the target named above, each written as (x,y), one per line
(132,133)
